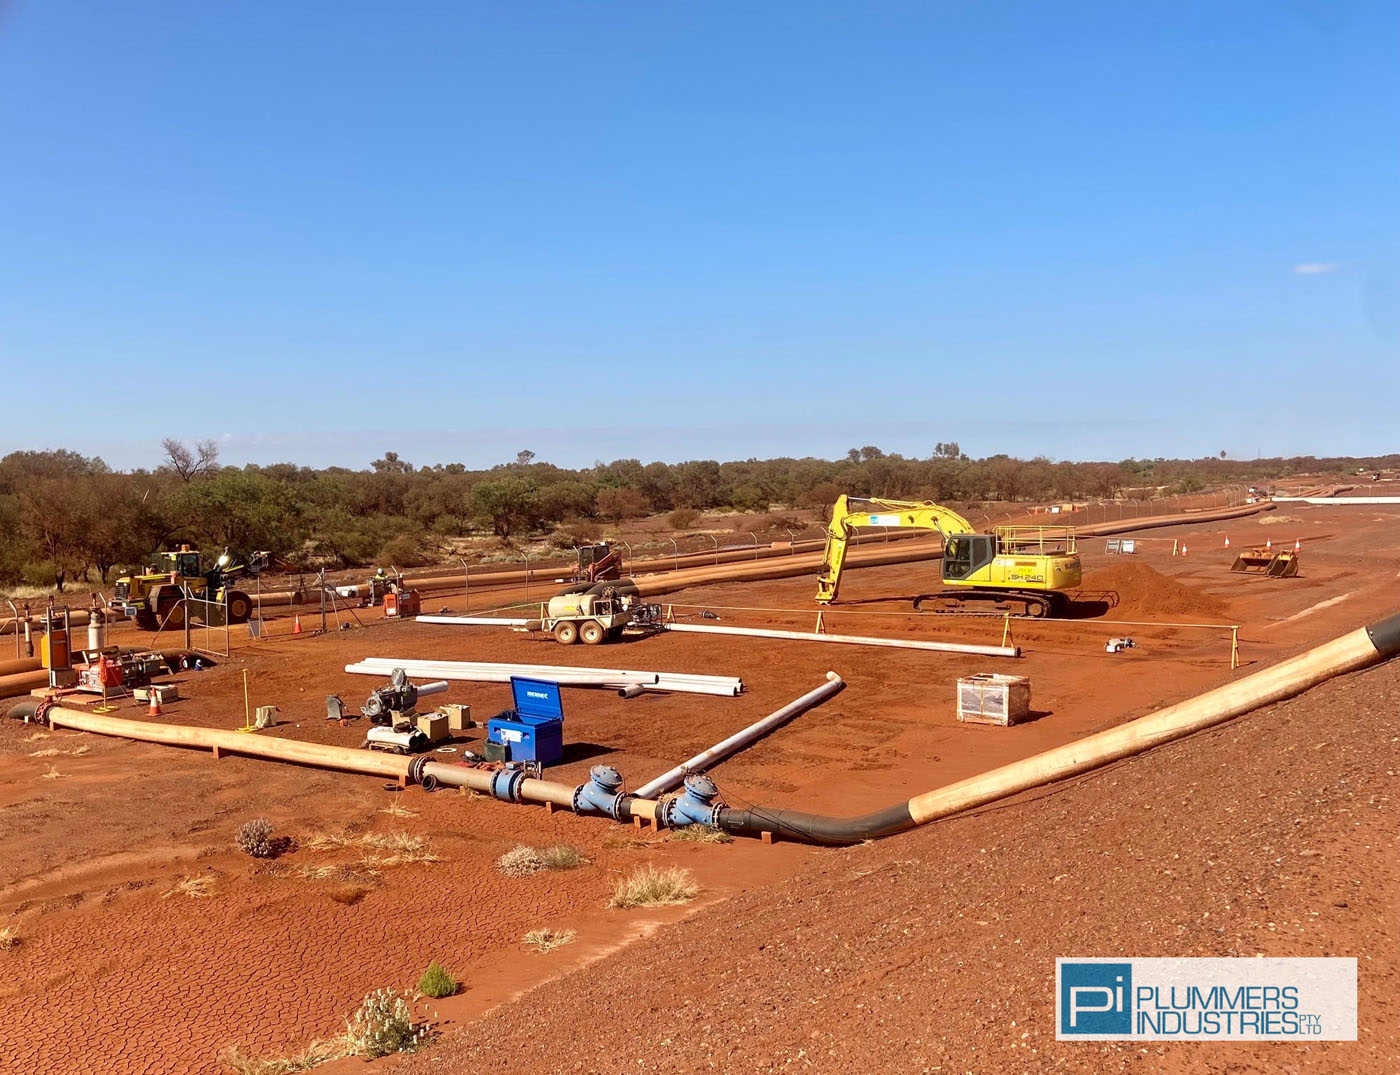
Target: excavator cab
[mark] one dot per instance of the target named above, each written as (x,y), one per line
(966,553)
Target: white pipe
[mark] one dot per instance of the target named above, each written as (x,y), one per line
(487,675)
(726,747)
(681,682)
(437,686)
(1393,501)
(474,621)
(851,640)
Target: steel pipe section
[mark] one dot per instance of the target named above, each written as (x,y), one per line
(19,683)
(740,739)
(849,640)
(1365,646)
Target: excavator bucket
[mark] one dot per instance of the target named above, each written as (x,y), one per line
(1281,564)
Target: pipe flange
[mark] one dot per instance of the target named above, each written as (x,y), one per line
(41,712)
(415,769)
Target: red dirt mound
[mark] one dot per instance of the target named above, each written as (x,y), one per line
(1147,593)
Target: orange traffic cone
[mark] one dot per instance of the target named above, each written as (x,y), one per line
(1269,544)
(1227,541)
(154,710)
(1183,548)
(296,624)
(1297,545)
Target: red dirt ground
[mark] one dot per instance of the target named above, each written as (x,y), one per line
(112,975)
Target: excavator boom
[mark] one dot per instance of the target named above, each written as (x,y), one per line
(850,512)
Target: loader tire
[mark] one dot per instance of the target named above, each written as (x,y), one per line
(240,607)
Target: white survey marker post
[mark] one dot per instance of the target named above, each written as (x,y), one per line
(1205,999)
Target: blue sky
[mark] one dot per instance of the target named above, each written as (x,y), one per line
(686,229)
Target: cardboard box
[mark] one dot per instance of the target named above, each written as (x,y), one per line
(433,725)
(459,717)
(164,692)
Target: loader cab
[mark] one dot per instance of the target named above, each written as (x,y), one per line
(964,554)
(184,563)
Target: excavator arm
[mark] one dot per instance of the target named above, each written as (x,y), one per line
(850,512)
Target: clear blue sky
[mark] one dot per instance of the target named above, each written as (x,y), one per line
(688,229)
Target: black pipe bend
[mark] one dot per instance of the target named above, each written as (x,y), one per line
(1385,635)
(817,828)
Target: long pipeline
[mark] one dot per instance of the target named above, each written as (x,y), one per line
(514,788)
(1379,641)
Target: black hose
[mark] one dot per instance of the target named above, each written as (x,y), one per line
(817,828)
(1385,635)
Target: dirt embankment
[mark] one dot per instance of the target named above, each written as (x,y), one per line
(1142,590)
(935,951)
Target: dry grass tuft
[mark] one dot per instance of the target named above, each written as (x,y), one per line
(561,857)
(329,841)
(195,888)
(399,848)
(315,1054)
(52,774)
(9,938)
(547,940)
(53,752)
(625,837)
(701,834)
(349,895)
(654,886)
(395,809)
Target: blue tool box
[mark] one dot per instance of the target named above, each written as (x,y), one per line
(534,729)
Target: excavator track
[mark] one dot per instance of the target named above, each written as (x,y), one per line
(973,602)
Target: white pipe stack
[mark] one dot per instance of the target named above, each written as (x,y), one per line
(568,675)
(849,640)
(726,747)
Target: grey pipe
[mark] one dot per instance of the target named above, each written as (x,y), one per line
(725,747)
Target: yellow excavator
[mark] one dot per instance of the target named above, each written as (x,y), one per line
(1021,569)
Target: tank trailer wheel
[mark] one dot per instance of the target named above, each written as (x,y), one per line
(592,633)
(566,633)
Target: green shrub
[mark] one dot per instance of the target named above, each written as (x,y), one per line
(682,518)
(436,982)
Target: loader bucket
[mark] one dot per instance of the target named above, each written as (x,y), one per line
(1281,564)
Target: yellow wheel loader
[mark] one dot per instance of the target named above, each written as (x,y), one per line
(153,599)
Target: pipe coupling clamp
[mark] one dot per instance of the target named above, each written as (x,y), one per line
(505,785)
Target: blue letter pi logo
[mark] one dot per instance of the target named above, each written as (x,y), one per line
(1096,998)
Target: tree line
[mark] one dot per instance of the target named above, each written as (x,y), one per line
(66,517)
